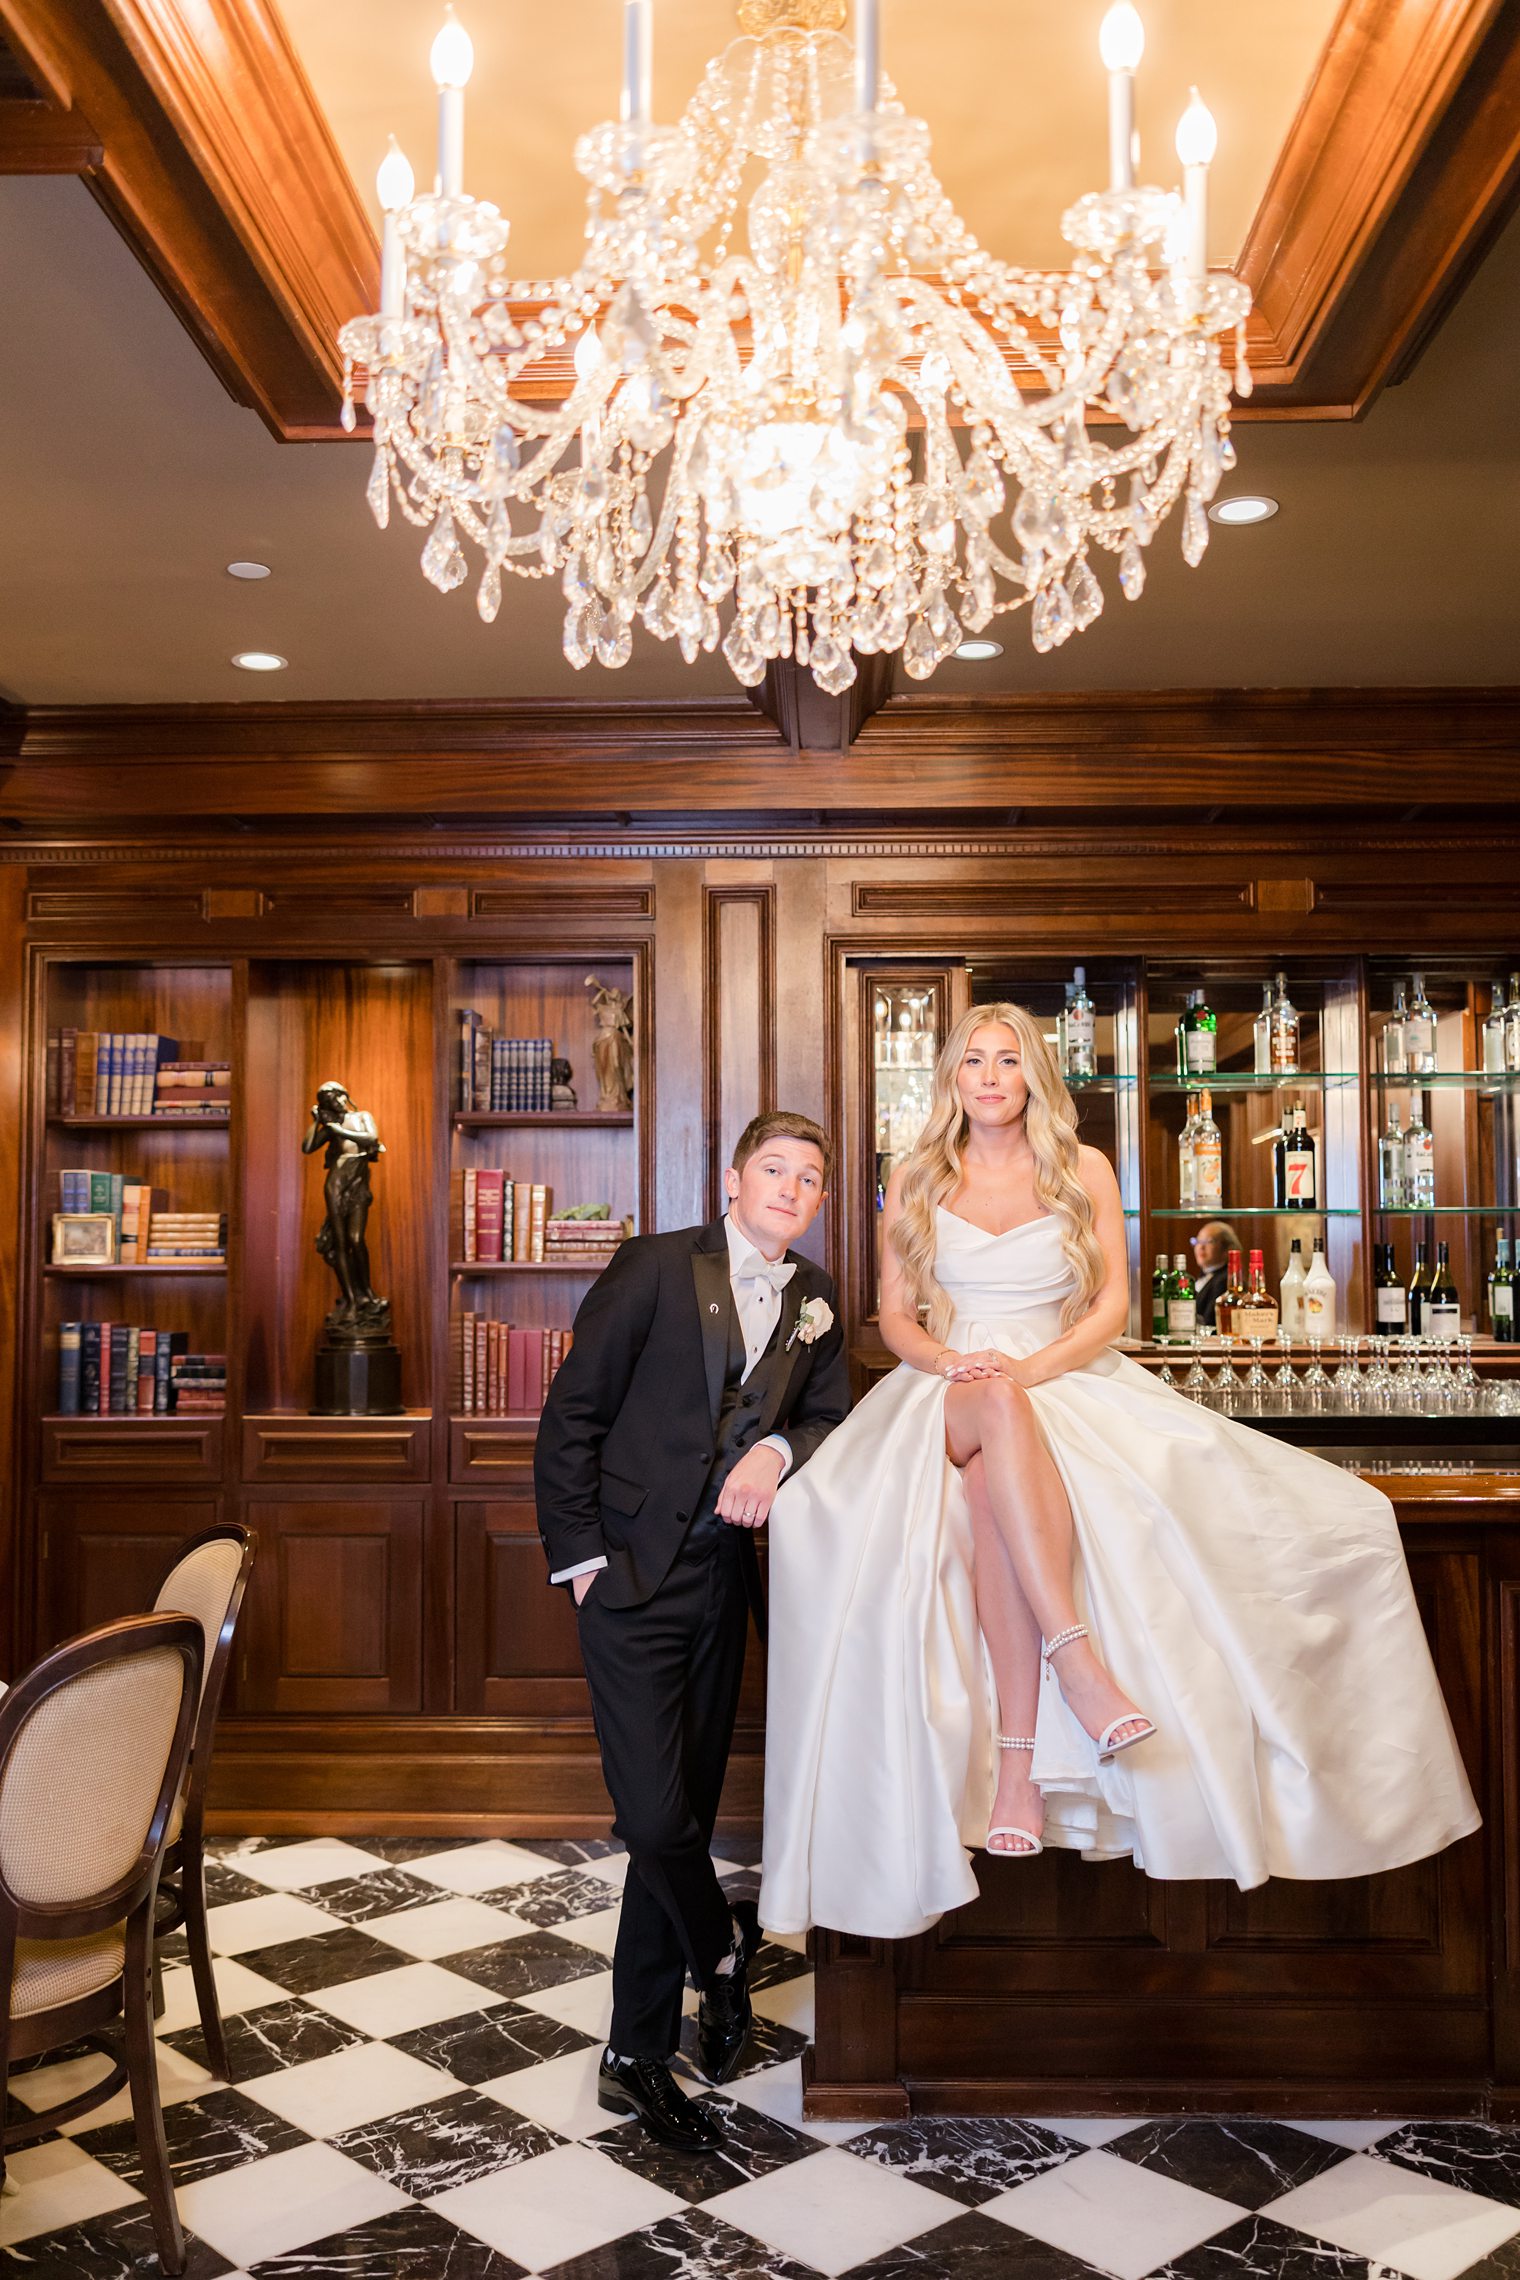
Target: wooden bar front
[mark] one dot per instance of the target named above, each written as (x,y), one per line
(1077,1988)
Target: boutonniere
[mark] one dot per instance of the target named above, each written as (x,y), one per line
(814,1317)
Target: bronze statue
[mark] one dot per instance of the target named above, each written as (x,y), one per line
(562,1092)
(612,1047)
(353,1142)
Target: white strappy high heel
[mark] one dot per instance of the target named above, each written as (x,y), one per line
(1113,1738)
(1031,1844)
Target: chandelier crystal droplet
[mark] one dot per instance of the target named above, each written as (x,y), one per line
(787,405)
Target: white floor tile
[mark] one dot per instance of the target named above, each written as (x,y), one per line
(1395,2216)
(789,2003)
(557,2206)
(608,1868)
(245,1924)
(414,1995)
(582,2003)
(1355,2136)
(486,1867)
(1124,2219)
(561,2093)
(326,2095)
(269,2207)
(777,2091)
(599,1931)
(832,2211)
(445,1927)
(1087,2129)
(796,1941)
(59,2185)
(237,1990)
(178,2079)
(316,1860)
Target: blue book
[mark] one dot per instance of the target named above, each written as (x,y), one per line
(73,1191)
(69,1368)
(89,1367)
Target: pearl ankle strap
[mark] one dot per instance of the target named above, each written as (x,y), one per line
(1065,1638)
(1015,1741)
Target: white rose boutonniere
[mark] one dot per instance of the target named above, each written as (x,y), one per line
(816,1316)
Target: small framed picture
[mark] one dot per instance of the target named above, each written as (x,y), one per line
(84,1239)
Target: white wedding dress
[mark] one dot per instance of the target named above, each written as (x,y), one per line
(1252,1599)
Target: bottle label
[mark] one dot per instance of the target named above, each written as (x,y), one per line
(1208,1173)
(1201,1048)
(1319,1305)
(1391,1309)
(1445,1320)
(1181,1317)
(1298,1176)
(1258,1321)
(1502,1298)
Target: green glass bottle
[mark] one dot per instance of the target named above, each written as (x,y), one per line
(1445,1306)
(1159,1282)
(1419,1294)
(1501,1295)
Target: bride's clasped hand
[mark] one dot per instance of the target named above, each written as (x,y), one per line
(1027,1596)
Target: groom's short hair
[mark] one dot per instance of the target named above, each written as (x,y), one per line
(782,1124)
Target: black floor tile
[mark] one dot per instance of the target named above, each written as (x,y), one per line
(690,2245)
(753,2146)
(525,1965)
(207,2135)
(479,2046)
(768,2045)
(451,2141)
(974,2247)
(772,1965)
(1247,2162)
(274,2035)
(969,2161)
(561,1897)
(303,1967)
(117,2247)
(1476,2157)
(384,1893)
(1258,2248)
(566,1851)
(405,2244)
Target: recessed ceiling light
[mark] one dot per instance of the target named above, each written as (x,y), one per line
(248,569)
(1245,507)
(974,652)
(260,661)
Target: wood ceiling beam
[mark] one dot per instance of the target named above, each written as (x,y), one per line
(38,138)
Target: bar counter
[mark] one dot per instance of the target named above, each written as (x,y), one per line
(1077,1988)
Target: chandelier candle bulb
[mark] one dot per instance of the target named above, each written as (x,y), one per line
(1197,141)
(1121,43)
(395,187)
(867,55)
(452,59)
(638,50)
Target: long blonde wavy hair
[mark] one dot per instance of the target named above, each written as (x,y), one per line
(934,1169)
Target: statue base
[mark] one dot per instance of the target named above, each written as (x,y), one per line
(358,1381)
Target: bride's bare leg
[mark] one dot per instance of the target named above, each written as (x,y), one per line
(1013,1647)
(994,1417)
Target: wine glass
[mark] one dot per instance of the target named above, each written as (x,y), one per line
(1256,1380)
(1196,1384)
(1226,1385)
(1467,1377)
(1316,1378)
(1348,1378)
(1407,1382)
(1284,1377)
(1378,1390)
(1164,1376)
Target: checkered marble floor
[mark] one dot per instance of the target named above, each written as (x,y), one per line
(415,2028)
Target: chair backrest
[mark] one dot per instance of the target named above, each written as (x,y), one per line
(208,1580)
(94,1741)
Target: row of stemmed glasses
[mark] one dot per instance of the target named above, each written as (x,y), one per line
(1434,1378)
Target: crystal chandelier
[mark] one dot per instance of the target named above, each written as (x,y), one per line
(805,414)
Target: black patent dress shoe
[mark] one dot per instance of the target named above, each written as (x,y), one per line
(725,2018)
(646,2088)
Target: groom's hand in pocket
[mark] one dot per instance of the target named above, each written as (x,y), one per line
(581,1584)
(745,1498)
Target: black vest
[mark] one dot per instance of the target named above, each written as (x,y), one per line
(738,1426)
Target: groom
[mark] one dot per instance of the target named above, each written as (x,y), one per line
(707,1364)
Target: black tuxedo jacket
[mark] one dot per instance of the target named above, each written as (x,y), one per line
(626,1443)
(1208,1290)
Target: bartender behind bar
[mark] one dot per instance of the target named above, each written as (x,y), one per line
(1211,1247)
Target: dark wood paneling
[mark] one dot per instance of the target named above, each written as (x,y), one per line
(346,1449)
(334,1615)
(492,1449)
(127,1449)
(739,997)
(104,1557)
(518,1653)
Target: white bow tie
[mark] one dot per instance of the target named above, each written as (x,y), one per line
(777,1273)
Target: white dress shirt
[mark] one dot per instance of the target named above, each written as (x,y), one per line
(758,1305)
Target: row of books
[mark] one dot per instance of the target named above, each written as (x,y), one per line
(503,1218)
(143,1226)
(500,1075)
(120,1369)
(138,1072)
(505,1370)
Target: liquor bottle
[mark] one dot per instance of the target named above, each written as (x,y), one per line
(1290,1291)
(1493,1035)
(1297,1165)
(1501,1295)
(1187,1159)
(1256,1316)
(1393,1187)
(1419,1294)
(1197,1038)
(1396,1038)
(1181,1301)
(1390,1308)
(1419,1159)
(1261,1033)
(1319,1295)
(1081,1030)
(1420,1032)
(1445,1318)
(1284,1032)
(1063,1032)
(1231,1297)
(1158,1300)
(1512,1027)
(1208,1158)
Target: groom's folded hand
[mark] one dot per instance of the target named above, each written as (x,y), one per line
(745,1498)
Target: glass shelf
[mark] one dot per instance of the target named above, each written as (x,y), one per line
(1453,1080)
(1108,1081)
(1263,1211)
(1447,1210)
(1237,1081)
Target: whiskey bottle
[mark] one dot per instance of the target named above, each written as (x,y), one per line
(1187,1159)
(1256,1315)
(1081,1030)
(1197,1038)
(1158,1300)
(1284,1032)
(1501,1295)
(1291,1291)
(1319,1295)
(1396,1038)
(1181,1301)
(1512,1027)
(1231,1298)
(1419,1160)
(1297,1165)
(1419,1294)
(1493,1035)
(1445,1312)
(1420,1032)
(1390,1308)
(1393,1191)
(1208,1158)
(1261,1033)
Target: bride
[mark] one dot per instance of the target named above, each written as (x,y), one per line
(1027,1596)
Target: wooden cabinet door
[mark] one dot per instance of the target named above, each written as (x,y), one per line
(518,1653)
(335,1610)
(104,1553)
